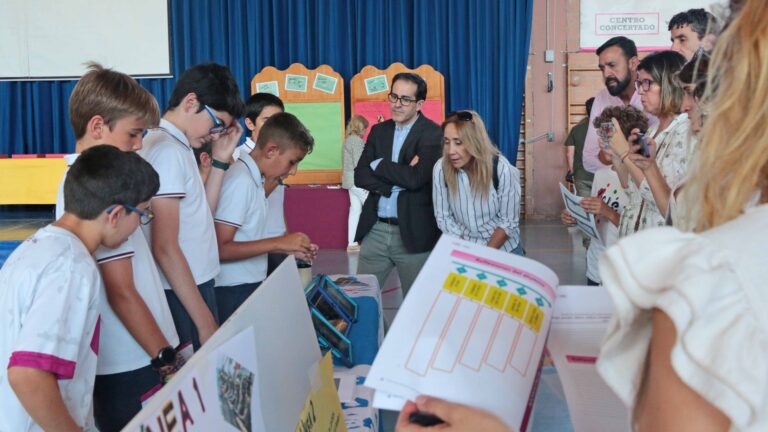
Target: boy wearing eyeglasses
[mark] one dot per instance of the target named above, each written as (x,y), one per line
(50,294)
(109,107)
(204,107)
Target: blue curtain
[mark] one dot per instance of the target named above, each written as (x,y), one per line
(480,46)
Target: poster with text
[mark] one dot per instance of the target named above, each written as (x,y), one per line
(643,21)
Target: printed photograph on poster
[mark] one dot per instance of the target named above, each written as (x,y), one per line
(584,221)
(234,383)
(377,84)
(325,83)
(297,83)
(268,87)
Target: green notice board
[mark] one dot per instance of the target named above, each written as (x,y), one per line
(325,122)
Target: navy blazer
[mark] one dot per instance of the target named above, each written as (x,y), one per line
(415,212)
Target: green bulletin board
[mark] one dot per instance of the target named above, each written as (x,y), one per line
(323,121)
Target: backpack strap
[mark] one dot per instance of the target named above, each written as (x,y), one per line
(496,173)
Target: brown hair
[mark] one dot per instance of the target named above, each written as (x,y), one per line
(112,95)
(662,67)
(286,131)
(628,116)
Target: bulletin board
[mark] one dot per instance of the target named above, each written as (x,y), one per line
(316,97)
(369,89)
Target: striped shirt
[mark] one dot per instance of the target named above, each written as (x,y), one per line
(473,218)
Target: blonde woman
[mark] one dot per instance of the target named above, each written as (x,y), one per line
(649,180)
(353,148)
(688,347)
(475,190)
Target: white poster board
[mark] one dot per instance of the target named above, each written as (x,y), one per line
(471,330)
(49,39)
(268,341)
(643,21)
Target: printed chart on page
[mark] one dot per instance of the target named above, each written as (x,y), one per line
(476,318)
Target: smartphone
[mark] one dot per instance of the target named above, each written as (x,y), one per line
(606,132)
(644,150)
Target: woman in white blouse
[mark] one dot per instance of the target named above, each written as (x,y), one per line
(475,190)
(649,180)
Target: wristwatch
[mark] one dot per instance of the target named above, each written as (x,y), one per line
(166,357)
(219,164)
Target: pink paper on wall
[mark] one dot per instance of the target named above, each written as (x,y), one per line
(376,112)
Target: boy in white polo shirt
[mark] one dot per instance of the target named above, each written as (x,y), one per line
(258,109)
(242,211)
(110,107)
(204,107)
(50,294)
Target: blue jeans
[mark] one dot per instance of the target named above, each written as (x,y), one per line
(229,298)
(185,327)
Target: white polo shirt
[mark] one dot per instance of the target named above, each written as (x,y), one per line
(49,306)
(120,352)
(275,201)
(170,153)
(243,205)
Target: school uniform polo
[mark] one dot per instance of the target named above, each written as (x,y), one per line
(243,205)
(168,151)
(275,223)
(49,306)
(120,352)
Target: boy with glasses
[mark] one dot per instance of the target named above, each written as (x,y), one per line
(397,225)
(110,107)
(203,109)
(50,294)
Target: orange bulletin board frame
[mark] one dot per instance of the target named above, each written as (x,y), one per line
(304,92)
(374,105)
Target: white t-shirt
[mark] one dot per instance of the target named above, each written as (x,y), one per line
(275,224)
(712,287)
(169,152)
(607,186)
(276,213)
(50,290)
(242,204)
(120,352)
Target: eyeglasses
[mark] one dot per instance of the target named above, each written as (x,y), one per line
(218,125)
(145,216)
(404,100)
(461,115)
(644,84)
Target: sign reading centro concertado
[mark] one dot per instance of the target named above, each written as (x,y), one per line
(644,21)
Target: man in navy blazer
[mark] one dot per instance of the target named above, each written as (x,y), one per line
(397,225)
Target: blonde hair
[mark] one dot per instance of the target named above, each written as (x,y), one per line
(112,95)
(731,161)
(357,125)
(475,139)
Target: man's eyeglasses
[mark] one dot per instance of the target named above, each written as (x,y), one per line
(145,216)
(404,100)
(218,125)
(643,84)
(461,115)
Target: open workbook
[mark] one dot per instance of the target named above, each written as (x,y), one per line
(471,330)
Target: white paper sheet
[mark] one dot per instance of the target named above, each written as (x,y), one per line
(584,221)
(578,326)
(471,330)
